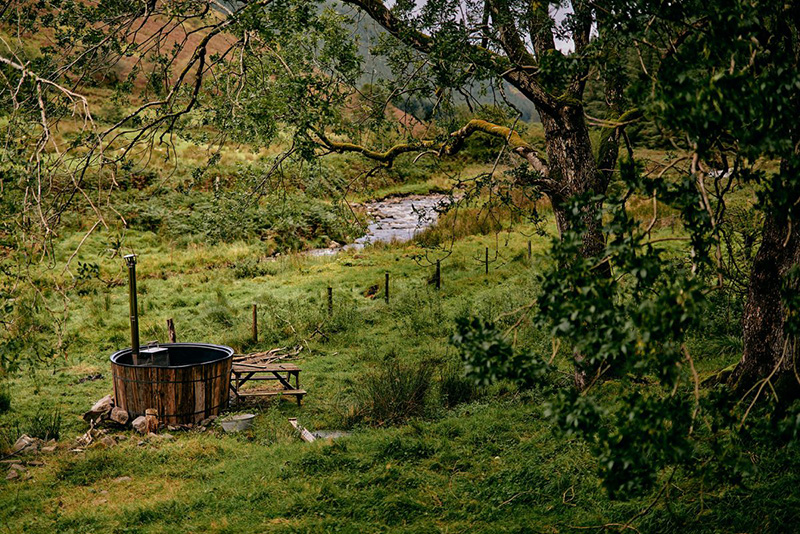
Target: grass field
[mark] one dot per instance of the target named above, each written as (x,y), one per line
(490,464)
(457,459)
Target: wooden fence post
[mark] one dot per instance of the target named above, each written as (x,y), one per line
(438,274)
(255,323)
(386,292)
(486,260)
(529,250)
(171,331)
(330,300)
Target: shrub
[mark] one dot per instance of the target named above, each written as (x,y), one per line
(454,387)
(391,394)
(459,223)
(253,267)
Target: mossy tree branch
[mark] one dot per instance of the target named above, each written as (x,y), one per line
(452,146)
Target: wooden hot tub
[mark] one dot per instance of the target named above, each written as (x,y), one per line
(194,386)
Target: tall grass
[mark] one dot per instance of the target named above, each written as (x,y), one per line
(44,424)
(390,395)
(457,224)
(454,387)
(517,207)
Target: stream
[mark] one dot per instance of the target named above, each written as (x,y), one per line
(393,219)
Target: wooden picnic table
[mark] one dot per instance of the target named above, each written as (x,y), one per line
(283,373)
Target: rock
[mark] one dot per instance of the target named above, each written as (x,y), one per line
(104,404)
(89,378)
(100,409)
(12,475)
(35,463)
(51,448)
(207,421)
(25,443)
(140,424)
(18,467)
(118,415)
(166,436)
(122,479)
(334,244)
(108,441)
(372,291)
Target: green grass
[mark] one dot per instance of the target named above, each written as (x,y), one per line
(487,465)
(460,459)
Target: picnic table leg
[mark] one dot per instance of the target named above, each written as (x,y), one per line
(297,385)
(285,381)
(235,387)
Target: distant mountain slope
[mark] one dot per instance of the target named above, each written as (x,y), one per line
(375,67)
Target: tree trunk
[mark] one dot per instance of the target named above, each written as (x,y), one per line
(571,164)
(767,349)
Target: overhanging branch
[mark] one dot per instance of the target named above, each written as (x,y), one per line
(450,147)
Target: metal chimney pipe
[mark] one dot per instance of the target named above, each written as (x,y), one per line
(130,260)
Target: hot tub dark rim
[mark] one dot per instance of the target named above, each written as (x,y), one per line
(227,350)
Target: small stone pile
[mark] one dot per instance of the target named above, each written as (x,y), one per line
(26,444)
(105,413)
(17,471)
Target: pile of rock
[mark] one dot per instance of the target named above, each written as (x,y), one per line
(105,413)
(17,471)
(26,444)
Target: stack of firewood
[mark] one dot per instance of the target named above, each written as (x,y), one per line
(267,357)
